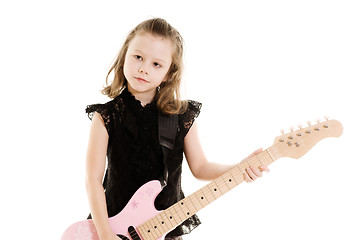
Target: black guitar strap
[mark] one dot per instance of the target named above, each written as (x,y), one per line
(167,133)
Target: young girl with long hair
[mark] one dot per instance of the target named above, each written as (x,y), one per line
(146,80)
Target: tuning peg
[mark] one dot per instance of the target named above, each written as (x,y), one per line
(282,131)
(318,120)
(309,123)
(291,128)
(326,117)
(300,126)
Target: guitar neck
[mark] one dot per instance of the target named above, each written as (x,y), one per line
(182,210)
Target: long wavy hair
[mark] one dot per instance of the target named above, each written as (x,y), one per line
(168,95)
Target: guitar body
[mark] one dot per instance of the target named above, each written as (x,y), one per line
(139,209)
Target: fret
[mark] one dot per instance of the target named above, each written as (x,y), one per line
(164,221)
(147,228)
(265,158)
(160,223)
(195,202)
(213,190)
(191,206)
(179,211)
(169,218)
(154,228)
(238,175)
(242,166)
(185,210)
(147,232)
(272,154)
(261,160)
(141,231)
(174,215)
(202,198)
(230,179)
(223,185)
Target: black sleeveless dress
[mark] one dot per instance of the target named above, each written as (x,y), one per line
(135,156)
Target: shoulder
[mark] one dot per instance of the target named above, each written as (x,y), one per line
(187,118)
(193,108)
(104,108)
(107,112)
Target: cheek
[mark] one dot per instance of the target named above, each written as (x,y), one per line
(128,66)
(164,75)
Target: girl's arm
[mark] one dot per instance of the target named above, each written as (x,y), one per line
(202,169)
(95,168)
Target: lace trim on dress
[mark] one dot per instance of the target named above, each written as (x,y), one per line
(191,113)
(103,110)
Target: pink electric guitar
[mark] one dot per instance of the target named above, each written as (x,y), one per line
(139,220)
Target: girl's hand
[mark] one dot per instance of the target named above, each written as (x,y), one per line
(252,172)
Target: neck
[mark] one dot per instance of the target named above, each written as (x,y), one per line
(144,97)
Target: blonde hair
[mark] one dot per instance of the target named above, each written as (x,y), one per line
(168,96)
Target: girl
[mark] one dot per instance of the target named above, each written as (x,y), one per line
(147,74)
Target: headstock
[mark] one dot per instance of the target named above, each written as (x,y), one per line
(296,143)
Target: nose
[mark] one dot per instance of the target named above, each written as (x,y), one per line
(142,70)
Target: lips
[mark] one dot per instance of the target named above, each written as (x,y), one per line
(141,80)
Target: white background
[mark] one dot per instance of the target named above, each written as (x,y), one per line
(257,67)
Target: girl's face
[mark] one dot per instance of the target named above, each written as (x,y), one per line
(146,65)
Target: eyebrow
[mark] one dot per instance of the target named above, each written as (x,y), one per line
(157,59)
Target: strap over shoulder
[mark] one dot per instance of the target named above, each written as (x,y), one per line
(167,133)
(167,130)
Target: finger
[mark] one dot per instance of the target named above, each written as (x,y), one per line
(264,169)
(251,173)
(247,178)
(256,171)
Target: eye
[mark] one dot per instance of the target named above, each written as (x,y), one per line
(138,57)
(157,65)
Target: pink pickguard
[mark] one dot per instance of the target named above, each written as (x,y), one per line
(139,209)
